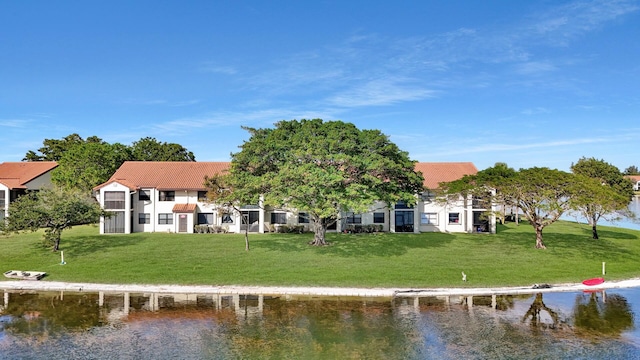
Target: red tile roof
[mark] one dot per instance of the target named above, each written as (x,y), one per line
(184,208)
(15,175)
(178,175)
(634,178)
(165,175)
(437,172)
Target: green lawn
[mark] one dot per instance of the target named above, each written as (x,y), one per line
(382,260)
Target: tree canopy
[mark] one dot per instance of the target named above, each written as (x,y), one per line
(54,149)
(542,194)
(150,149)
(323,168)
(632,170)
(89,164)
(84,164)
(229,198)
(600,191)
(55,209)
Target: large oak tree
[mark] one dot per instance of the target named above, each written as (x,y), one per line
(324,168)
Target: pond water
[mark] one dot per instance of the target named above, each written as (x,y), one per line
(45,325)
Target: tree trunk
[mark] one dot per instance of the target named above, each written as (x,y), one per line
(246,233)
(246,239)
(594,222)
(539,242)
(319,232)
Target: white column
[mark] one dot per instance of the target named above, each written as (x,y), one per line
(261,215)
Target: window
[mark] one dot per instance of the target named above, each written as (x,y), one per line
(114,224)
(428,218)
(202,196)
(378,218)
(427,196)
(303,218)
(354,218)
(278,218)
(144,195)
(165,219)
(167,195)
(454,218)
(144,218)
(2,199)
(114,200)
(227,218)
(205,219)
(402,205)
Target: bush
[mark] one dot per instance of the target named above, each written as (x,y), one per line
(367,229)
(210,229)
(290,229)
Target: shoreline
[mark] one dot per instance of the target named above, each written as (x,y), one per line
(30,285)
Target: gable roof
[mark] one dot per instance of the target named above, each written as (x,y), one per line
(437,172)
(15,175)
(165,175)
(634,178)
(189,175)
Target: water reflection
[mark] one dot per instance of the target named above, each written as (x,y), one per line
(602,315)
(196,326)
(536,312)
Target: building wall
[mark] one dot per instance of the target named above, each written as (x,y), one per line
(40,182)
(4,209)
(427,215)
(115,187)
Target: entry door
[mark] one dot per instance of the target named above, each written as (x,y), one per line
(404,221)
(253,219)
(182,223)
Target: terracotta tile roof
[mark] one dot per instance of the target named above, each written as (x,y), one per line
(184,208)
(16,174)
(437,172)
(178,175)
(165,175)
(634,178)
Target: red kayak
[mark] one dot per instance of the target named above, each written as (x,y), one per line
(594,281)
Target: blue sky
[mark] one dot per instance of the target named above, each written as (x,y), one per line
(529,83)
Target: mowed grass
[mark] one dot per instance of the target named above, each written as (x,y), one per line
(365,260)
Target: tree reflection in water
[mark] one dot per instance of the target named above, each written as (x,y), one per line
(534,314)
(604,316)
(42,314)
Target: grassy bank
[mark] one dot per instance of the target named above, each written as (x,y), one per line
(382,260)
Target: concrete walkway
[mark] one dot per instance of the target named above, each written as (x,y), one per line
(24,285)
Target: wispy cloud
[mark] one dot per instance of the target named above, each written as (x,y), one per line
(527,145)
(380,92)
(14,123)
(562,24)
(208,67)
(535,111)
(535,67)
(162,102)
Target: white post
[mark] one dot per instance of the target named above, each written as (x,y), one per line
(62,258)
(603,268)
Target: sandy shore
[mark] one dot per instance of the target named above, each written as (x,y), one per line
(25,285)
